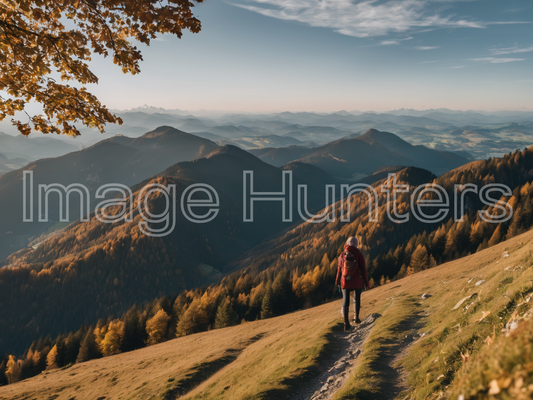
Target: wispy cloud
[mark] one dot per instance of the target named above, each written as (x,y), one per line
(390,43)
(457,67)
(362,18)
(510,50)
(424,48)
(394,42)
(496,60)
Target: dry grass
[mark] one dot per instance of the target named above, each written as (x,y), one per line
(451,360)
(375,377)
(266,359)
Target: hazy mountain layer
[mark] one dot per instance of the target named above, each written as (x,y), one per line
(362,155)
(120,160)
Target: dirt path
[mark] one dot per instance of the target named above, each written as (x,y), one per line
(345,350)
(340,362)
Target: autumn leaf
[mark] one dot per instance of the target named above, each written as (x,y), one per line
(35,43)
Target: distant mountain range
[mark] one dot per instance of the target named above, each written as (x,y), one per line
(480,134)
(117,160)
(363,155)
(17,151)
(7,164)
(128,161)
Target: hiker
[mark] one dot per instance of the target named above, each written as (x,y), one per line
(351,276)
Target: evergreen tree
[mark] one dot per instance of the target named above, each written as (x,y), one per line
(266,306)
(134,333)
(439,242)
(3,378)
(225,315)
(72,346)
(283,295)
(88,349)
(165,303)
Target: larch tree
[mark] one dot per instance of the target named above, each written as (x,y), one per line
(42,42)
(194,319)
(156,327)
(112,341)
(52,359)
(13,370)
(420,258)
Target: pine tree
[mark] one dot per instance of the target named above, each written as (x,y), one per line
(282,289)
(134,332)
(439,242)
(88,349)
(72,346)
(266,306)
(156,327)
(3,378)
(100,331)
(225,315)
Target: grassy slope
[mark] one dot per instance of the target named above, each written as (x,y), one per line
(262,359)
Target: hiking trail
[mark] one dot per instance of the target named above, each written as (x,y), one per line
(340,362)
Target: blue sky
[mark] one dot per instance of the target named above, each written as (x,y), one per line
(311,55)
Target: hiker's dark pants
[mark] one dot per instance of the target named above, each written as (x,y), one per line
(346,299)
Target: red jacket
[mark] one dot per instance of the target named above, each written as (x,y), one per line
(354,283)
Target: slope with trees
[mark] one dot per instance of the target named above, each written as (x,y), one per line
(296,270)
(93,269)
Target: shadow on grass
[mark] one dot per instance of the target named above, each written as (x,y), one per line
(392,382)
(203,371)
(363,394)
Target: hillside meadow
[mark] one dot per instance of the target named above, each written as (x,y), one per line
(458,353)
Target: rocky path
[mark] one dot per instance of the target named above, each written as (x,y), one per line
(340,362)
(345,350)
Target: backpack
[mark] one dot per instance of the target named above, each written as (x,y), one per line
(350,266)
